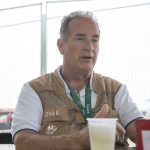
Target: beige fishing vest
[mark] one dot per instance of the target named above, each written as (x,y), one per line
(61,115)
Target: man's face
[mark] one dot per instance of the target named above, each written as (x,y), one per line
(81,47)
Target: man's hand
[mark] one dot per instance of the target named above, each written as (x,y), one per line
(103,112)
(120,131)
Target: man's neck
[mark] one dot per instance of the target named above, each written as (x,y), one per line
(76,80)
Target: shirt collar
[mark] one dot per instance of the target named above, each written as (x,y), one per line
(66,87)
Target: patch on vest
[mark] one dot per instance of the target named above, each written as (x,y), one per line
(56,113)
(51,129)
(53,113)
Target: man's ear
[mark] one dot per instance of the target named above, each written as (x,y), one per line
(60,45)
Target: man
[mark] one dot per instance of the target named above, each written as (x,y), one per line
(52,109)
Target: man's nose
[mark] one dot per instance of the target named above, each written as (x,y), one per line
(89,45)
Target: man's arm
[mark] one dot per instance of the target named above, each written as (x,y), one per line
(127,111)
(131,131)
(28,140)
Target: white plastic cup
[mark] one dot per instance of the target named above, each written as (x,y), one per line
(102,133)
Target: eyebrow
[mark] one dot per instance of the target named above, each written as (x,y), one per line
(82,35)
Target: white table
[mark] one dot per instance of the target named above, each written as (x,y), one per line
(7,147)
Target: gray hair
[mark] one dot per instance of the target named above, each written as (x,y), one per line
(67,19)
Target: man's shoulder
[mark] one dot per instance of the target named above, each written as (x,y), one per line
(104,78)
(42,78)
(106,82)
(42,82)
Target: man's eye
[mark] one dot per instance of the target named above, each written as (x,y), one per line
(79,39)
(95,40)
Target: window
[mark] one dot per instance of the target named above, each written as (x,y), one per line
(19,51)
(124,44)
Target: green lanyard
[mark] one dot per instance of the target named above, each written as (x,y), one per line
(87,110)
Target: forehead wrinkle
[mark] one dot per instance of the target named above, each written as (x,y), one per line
(80,34)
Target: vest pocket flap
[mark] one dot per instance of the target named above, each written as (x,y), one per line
(56,114)
(79,118)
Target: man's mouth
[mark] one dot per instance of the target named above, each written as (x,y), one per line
(87,57)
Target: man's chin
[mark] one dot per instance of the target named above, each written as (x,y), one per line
(88,68)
